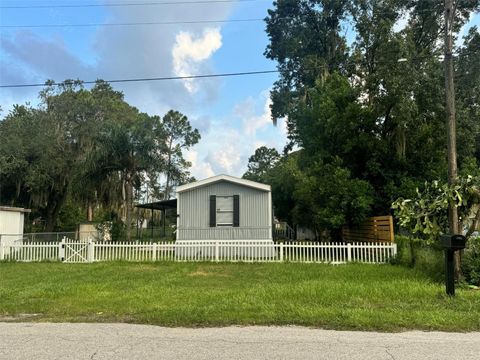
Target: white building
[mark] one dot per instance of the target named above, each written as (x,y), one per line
(11,224)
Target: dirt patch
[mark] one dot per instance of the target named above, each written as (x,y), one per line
(202,272)
(143,268)
(18,317)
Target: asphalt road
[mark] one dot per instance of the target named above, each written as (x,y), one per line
(123,341)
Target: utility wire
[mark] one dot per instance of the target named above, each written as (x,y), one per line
(143,23)
(205,76)
(131,24)
(154,3)
(154,22)
(245,73)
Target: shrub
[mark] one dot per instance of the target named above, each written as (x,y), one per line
(471,262)
(421,256)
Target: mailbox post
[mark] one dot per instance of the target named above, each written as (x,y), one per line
(451,243)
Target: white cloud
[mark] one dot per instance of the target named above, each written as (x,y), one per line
(149,51)
(282,123)
(201,170)
(190,51)
(227,156)
(253,122)
(119,52)
(229,143)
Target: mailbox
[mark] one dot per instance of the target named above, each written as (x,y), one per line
(453,242)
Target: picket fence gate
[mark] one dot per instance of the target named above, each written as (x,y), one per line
(70,251)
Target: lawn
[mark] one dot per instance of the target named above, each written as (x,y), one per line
(367,297)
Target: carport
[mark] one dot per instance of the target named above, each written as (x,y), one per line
(158,206)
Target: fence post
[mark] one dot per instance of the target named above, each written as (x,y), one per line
(2,250)
(349,252)
(154,250)
(394,250)
(61,250)
(216,250)
(90,251)
(281,252)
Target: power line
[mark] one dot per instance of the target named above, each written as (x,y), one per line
(148,23)
(155,3)
(138,23)
(245,73)
(204,76)
(131,24)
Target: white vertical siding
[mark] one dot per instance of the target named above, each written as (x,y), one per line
(255,213)
(11,225)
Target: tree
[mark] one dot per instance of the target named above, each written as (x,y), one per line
(260,163)
(426,214)
(129,144)
(467,71)
(85,149)
(179,136)
(16,152)
(327,197)
(307,45)
(283,180)
(47,145)
(383,118)
(322,197)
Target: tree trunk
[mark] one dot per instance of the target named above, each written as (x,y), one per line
(169,164)
(123,215)
(129,205)
(54,204)
(89,212)
(451,125)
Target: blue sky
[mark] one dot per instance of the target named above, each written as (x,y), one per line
(232,114)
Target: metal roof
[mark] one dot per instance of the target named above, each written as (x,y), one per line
(14,209)
(228,178)
(159,205)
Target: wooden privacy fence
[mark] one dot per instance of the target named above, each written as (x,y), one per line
(374,229)
(226,251)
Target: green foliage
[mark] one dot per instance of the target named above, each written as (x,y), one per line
(415,253)
(326,197)
(180,136)
(318,196)
(334,133)
(471,262)
(468,96)
(260,163)
(283,179)
(366,117)
(71,214)
(110,223)
(426,214)
(281,172)
(403,251)
(306,43)
(82,149)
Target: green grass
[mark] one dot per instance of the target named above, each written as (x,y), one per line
(367,297)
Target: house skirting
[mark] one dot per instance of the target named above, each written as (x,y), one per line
(225,249)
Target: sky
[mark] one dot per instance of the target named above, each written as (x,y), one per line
(232,114)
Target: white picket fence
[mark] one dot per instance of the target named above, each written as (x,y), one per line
(224,251)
